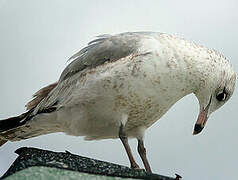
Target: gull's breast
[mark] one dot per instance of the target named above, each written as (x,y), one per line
(135,86)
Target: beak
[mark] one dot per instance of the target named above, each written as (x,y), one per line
(202,119)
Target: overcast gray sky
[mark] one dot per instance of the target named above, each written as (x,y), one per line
(37,37)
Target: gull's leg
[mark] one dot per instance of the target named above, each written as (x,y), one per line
(124,140)
(142,151)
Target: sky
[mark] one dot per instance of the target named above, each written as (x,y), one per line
(37,38)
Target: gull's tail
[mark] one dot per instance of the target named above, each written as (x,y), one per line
(28,125)
(9,126)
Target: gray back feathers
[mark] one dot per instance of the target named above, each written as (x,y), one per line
(97,52)
(104,48)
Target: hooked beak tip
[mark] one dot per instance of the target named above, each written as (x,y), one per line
(197,129)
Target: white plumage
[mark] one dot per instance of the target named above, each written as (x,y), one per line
(118,86)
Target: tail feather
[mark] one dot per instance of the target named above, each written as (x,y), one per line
(17,128)
(20,133)
(14,122)
(10,124)
(27,126)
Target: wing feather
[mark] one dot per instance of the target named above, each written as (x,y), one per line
(104,48)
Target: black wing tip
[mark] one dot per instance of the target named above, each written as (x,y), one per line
(15,121)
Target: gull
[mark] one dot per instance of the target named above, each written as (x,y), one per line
(119,85)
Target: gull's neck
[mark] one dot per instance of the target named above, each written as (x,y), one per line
(187,67)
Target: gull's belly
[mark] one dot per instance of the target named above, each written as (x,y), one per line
(131,88)
(103,117)
(107,101)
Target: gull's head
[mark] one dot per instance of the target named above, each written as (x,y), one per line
(215,90)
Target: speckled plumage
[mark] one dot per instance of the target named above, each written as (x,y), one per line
(131,79)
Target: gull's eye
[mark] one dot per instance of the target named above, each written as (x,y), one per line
(221,96)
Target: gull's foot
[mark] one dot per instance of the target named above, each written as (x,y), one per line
(135,166)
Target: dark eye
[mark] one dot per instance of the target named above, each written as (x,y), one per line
(221,96)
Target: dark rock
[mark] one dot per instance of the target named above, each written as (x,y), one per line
(29,157)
